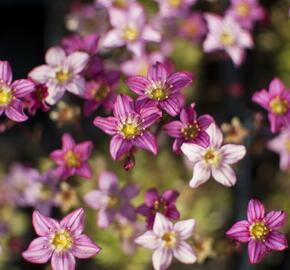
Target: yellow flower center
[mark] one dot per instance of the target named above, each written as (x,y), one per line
(5,97)
(158,93)
(169,239)
(287,145)
(100,93)
(62,241)
(242,9)
(62,76)
(189,132)
(212,157)
(279,106)
(175,3)
(130,130)
(113,202)
(227,39)
(120,3)
(130,33)
(72,159)
(259,230)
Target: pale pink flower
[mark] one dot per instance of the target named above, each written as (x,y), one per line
(226,34)
(168,241)
(215,160)
(61,73)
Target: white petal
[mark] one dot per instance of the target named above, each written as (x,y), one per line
(237,55)
(216,136)
(184,228)
(76,62)
(225,175)
(211,43)
(161,225)
(201,173)
(192,151)
(55,56)
(77,85)
(245,39)
(148,240)
(41,74)
(113,39)
(54,94)
(162,258)
(118,17)
(184,253)
(151,34)
(232,153)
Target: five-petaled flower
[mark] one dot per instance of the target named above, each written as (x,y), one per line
(61,241)
(190,128)
(155,203)
(214,160)
(161,88)
(277,102)
(128,126)
(260,231)
(11,93)
(61,73)
(72,159)
(226,34)
(168,241)
(111,200)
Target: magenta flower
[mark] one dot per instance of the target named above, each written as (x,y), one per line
(174,8)
(215,160)
(281,146)
(60,241)
(128,126)
(11,93)
(129,29)
(112,201)
(61,73)
(155,203)
(168,241)
(246,12)
(190,129)
(161,88)
(260,231)
(226,34)
(277,102)
(72,159)
(115,3)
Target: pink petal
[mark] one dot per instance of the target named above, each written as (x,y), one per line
(170,196)
(184,228)
(108,182)
(257,250)
(41,74)
(43,225)
(68,143)
(237,54)
(151,34)
(151,196)
(106,217)
(38,251)
(256,210)
(58,156)
(232,153)
(77,85)
(106,124)
(201,173)
(55,56)
(172,105)
(55,93)
(173,129)
(276,241)
(127,211)
(15,111)
(162,258)
(262,98)
(157,73)
(74,222)
(188,114)
(84,170)
(76,62)
(63,261)
(148,240)
(95,199)
(118,17)
(84,247)
(184,253)
(130,191)
(204,121)
(138,84)
(276,87)
(245,39)
(211,43)
(192,151)
(162,225)
(179,80)
(123,106)
(119,147)
(22,87)
(216,136)
(224,174)
(146,141)
(84,149)
(136,47)
(149,115)
(240,231)
(275,219)
(5,72)
(214,22)
(113,39)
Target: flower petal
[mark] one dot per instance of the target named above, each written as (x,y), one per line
(216,136)
(171,105)
(84,170)
(106,124)
(184,253)
(128,211)
(106,217)
(275,219)
(119,147)
(63,261)
(38,251)
(15,111)
(184,228)
(276,241)
(151,196)
(55,93)
(77,86)
(257,250)
(95,199)
(84,149)
(22,87)
(188,114)
(130,191)
(240,231)
(84,247)
(113,39)
(161,225)
(76,62)
(148,240)
(224,174)
(5,72)
(74,221)
(201,173)
(173,129)
(157,73)
(162,258)
(204,121)
(55,56)
(138,84)
(276,87)
(256,210)
(171,212)
(170,196)
(192,151)
(149,115)
(41,73)
(43,225)
(178,81)
(68,143)
(108,182)
(232,153)
(123,106)
(146,141)
(262,98)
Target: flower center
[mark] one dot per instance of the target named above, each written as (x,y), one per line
(212,157)
(158,93)
(62,76)
(279,106)
(159,206)
(130,33)
(287,145)
(130,130)
(259,230)
(120,3)
(227,39)
(174,3)
(62,241)
(72,159)
(242,9)
(189,132)
(101,93)
(169,239)
(5,96)
(113,202)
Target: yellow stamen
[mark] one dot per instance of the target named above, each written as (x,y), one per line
(120,3)
(62,76)
(212,157)
(227,39)
(159,206)
(130,130)
(259,230)
(169,239)
(100,93)
(130,33)
(242,9)
(5,97)
(287,145)
(72,159)
(189,132)
(61,241)
(113,202)
(279,106)
(175,3)
(158,93)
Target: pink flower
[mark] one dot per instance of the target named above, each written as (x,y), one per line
(277,102)
(246,12)
(72,159)
(61,73)
(190,128)
(112,201)
(281,146)
(226,34)
(174,8)
(61,241)
(129,29)
(161,88)
(168,241)
(260,231)
(11,93)
(215,160)
(115,3)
